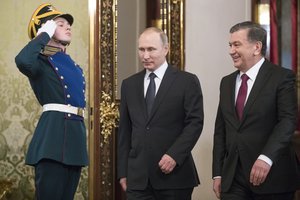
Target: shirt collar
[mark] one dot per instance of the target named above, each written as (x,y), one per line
(253,71)
(50,50)
(159,72)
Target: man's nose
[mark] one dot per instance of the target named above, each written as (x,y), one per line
(146,54)
(231,50)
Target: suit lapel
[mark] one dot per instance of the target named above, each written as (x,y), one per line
(140,93)
(262,77)
(231,91)
(166,83)
(232,86)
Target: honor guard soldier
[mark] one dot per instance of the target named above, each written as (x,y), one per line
(58,148)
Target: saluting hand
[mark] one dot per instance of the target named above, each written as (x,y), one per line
(49,27)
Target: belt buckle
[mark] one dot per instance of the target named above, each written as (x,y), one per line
(80,112)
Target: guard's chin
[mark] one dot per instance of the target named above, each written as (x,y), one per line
(65,43)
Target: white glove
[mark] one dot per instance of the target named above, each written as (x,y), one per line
(49,27)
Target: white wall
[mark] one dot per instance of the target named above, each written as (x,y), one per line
(206,37)
(131,22)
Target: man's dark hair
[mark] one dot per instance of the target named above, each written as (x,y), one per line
(255,33)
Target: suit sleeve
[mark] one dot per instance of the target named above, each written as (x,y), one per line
(124,135)
(286,100)
(193,122)
(28,56)
(219,147)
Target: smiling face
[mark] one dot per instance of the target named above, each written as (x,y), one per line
(152,51)
(63,30)
(243,52)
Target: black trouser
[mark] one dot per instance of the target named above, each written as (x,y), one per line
(152,194)
(240,190)
(55,181)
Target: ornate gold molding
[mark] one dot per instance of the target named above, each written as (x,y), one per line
(5,188)
(109,115)
(173,23)
(107,50)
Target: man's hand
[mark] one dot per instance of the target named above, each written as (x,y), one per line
(217,187)
(123,183)
(49,27)
(259,172)
(167,164)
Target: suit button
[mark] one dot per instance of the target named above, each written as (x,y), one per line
(147,128)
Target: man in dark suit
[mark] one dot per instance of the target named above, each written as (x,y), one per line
(158,131)
(58,146)
(253,157)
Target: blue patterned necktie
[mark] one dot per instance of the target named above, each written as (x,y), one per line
(150,95)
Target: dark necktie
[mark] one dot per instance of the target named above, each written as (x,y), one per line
(241,98)
(150,95)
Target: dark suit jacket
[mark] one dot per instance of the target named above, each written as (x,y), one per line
(173,128)
(58,136)
(267,126)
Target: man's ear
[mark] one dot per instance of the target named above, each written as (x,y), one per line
(167,48)
(258,47)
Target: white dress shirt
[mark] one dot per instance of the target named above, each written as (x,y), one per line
(159,72)
(252,74)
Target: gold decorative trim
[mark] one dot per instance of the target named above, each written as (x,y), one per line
(107,57)
(172,13)
(5,188)
(109,115)
(91,134)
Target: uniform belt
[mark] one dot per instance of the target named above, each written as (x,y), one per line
(63,108)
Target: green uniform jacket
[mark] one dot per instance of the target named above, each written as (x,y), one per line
(58,136)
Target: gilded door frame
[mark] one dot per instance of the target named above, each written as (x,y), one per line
(102,79)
